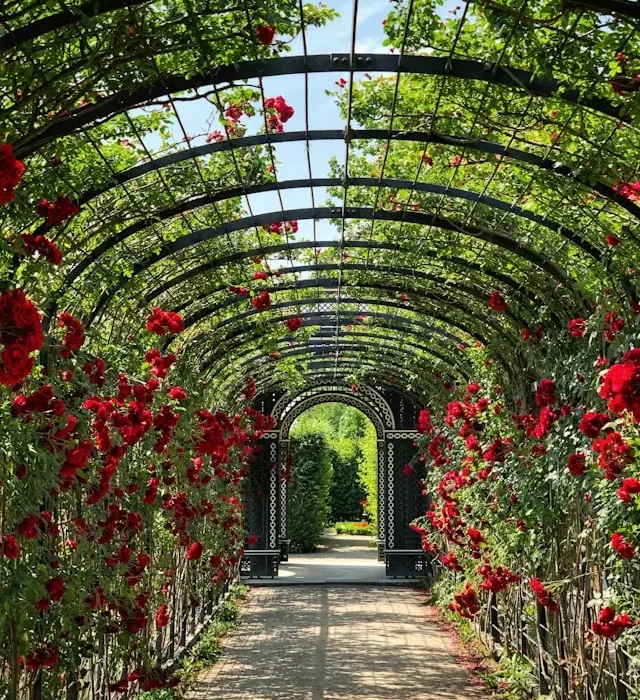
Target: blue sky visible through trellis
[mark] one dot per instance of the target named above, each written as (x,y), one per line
(200,117)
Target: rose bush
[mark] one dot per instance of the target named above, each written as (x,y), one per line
(542,495)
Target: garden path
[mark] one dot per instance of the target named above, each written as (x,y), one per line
(338,559)
(337,643)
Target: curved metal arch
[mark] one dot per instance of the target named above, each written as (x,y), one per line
(329,333)
(419,324)
(466,69)
(351,300)
(327,284)
(303,245)
(66,18)
(340,397)
(393,324)
(479,292)
(39,27)
(277,185)
(371,394)
(317,384)
(501,240)
(423,137)
(350,366)
(378,381)
(250,368)
(315,350)
(231,385)
(313,319)
(363,267)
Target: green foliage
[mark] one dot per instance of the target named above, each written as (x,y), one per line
(368,474)
(345,428)
(309,489)
(346,492)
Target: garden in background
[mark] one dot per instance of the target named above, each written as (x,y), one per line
(333,475)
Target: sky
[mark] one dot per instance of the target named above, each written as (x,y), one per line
(291,158)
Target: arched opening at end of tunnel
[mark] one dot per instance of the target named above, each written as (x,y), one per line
(333,496)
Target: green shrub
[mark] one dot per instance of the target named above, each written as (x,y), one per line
(347,493)
(311,476)
(368,474)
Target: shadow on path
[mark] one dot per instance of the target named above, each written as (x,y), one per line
(336,643)
(338,559)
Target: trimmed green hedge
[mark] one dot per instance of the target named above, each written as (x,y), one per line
(311,476)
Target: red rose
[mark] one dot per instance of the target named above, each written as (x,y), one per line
(622,546)
(265,34)
(162,616)
(55,587)
(592,423)
(177,393)
(577,327)
(74,333)
(577,463)
(261,302)
(58,212)
(16,364)
(11,172)
(497,303)
(279,104)
(545,393)
(293,324)
(194,551)
(621,385)
(10,547)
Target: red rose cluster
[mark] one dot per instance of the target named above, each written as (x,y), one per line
(261,302)
(577,327)
(630,190)
(282,227)
(542,595)
(293,324)
(613,325)
(280,112)
(496,580)
(95,371)
(160,364)
(450,561)
(20,334)
(265,34)
(465,603)
(610,624)
(624,548)
(11,172)
(74,333)
(621,385)
(497,303)
(58,212)
(161,322)
(47,249)
(577,463)
(424,422)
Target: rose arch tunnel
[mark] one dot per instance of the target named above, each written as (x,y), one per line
(219,214)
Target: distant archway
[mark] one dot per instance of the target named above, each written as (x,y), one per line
(394,414)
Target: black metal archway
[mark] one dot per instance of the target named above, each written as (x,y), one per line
(394,414)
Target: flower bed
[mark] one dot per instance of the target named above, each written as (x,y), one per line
(354,528)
